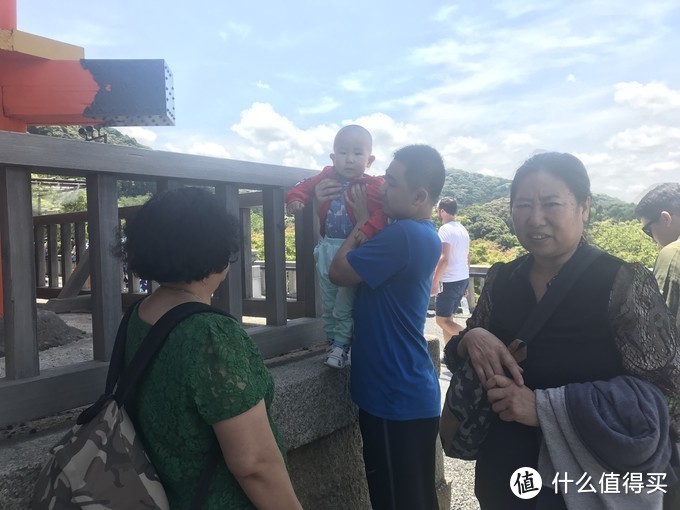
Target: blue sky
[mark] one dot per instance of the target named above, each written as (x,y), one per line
(486,83)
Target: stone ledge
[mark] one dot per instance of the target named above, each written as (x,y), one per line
(316,419)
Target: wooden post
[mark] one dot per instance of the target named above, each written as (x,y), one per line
(102,209)
(306,238)
(228,295)
(18,273)
(80,240)
(275,253)
(246,258)
(52,257)
(65,233)
(39,251)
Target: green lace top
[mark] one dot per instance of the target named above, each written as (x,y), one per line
(208,370)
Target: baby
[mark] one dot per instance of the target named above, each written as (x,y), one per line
(351,157)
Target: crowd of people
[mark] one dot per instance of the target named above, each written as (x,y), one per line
(379,261)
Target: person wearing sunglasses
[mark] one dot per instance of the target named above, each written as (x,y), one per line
(659,213)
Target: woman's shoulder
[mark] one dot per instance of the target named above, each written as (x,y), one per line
(214,328)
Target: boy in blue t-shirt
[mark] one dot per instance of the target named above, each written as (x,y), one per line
(393,380)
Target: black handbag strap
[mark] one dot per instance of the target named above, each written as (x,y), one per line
(563,282)
(126,379)
(151,345)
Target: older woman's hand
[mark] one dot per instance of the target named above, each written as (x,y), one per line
(512,402)
(327,189)
(489,356)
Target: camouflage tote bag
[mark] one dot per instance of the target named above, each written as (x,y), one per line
(467,414)
(94,459)
(101,463)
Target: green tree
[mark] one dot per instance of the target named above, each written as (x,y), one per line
(471,188)
(77,201)
(606,207)
(113,136)
(625,240)
(490,221)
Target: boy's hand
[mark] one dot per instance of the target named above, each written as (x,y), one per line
(327,189)
(356,199)
(360,237)
(295,206)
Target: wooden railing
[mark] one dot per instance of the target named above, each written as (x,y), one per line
(477,277)
(26,391)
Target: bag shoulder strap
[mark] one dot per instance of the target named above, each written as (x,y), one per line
(117,363)
(152,343)
(572,270)
(147,351)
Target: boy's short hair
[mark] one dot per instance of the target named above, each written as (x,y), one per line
(449,205)
(664,197)
(424,167)
(182,235)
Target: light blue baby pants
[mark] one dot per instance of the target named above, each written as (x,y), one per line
(337,301)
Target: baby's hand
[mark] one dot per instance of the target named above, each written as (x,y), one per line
(360,237)
(295,206)
(327,189)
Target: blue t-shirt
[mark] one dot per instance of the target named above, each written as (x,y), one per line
(392,375)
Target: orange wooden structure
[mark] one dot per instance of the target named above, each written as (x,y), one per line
(47,82)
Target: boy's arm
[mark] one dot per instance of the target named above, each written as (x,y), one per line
(341,271)
(303,191)
(377,219)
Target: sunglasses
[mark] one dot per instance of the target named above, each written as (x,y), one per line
(647,228)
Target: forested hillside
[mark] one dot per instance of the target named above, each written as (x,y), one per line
(48,198)
(484,209)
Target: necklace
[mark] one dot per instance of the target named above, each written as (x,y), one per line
(179,289)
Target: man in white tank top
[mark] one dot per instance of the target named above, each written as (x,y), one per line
(452,273)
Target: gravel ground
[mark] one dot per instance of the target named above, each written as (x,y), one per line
(461,473)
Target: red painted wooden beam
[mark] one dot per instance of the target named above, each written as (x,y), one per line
(64,92)
(8,14)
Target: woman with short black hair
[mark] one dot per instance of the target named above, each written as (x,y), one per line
(209,378)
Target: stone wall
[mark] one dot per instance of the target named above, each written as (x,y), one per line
(316,419)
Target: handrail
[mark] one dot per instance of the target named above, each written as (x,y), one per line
(27,392)
(78,216)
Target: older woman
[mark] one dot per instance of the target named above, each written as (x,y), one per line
(209,379)
(612,322)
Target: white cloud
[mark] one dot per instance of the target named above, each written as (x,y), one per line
(515,142)
(325,105)
(261,85)
(445,13)
(240,30)
(488,171)
(142,135)
(571,78)
(450,51)
(514,9)
(352,84)
(655,96)
(672,165)
(280,141)
(461,144)
(593,159)
(213,149)
(645,138)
